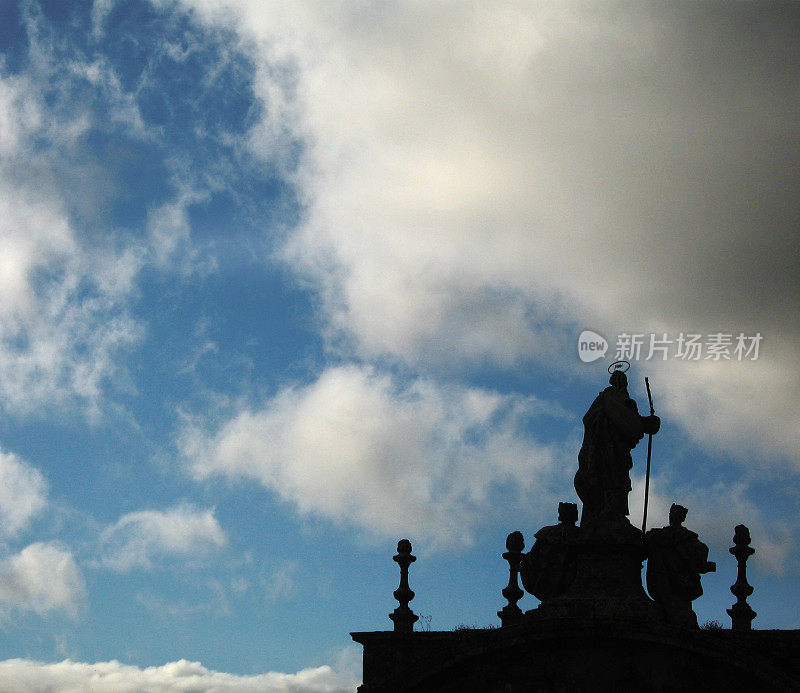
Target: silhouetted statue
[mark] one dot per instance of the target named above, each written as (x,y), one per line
(612,428)
(548,569)
(676,560)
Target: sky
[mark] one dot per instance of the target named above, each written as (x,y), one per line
(284,283)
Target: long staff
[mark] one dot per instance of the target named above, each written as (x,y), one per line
(649,452)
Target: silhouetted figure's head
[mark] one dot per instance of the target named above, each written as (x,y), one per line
(677,515)
(619,380)
(567,513)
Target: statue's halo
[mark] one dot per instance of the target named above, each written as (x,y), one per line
(619,366)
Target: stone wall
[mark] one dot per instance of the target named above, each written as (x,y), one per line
(580,656)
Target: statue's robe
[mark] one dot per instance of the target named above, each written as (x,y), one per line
(612,428)
(676,559)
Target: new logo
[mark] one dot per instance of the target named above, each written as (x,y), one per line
(591,346)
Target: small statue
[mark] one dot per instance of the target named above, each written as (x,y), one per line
(548,569)
(612,428)
(676,560)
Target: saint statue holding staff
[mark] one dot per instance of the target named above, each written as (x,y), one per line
(612,428)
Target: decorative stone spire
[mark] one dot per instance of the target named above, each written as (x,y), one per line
(511,613)
(741,614)
(403,618)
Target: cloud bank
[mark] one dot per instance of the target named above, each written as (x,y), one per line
(26,676)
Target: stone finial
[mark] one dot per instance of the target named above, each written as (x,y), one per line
(741,614)
(511,613)
(403,618)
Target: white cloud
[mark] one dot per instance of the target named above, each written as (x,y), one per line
(480,181)
(64,316)
(100,11)
(138,539)
(282,581)
(63,323)
(168,227)
(357,447)
(34,235)
(213,598)
(19,113)
(27,676)
(23,493)
(43,578)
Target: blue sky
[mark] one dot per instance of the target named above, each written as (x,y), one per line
(283,283)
